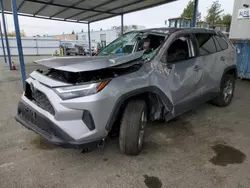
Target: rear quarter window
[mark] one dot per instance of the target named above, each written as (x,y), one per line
(223,44)
(206,43)
(217,45)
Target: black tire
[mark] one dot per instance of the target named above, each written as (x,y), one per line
(132,128)
(221,100)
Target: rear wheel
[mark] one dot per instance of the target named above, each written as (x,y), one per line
(132,128)
(227,91)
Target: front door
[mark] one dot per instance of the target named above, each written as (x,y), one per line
(185,74)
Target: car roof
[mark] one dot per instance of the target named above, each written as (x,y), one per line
(166,30)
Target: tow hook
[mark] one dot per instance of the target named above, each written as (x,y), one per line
(100,145)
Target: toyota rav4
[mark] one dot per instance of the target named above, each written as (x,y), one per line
(153,74)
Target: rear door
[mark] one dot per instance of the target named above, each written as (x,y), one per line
(225,49)
(209,58)
(226,55)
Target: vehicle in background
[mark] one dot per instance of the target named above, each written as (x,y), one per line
(69,48)
(153,74)
(93,51)
(81,49)
(100,46)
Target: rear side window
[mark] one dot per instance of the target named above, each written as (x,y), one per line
(205,43)
(217,45)
(223,44)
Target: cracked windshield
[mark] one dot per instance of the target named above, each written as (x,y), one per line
(135,42)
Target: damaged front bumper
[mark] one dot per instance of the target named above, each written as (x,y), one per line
(37,122)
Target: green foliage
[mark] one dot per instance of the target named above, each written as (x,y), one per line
(214,13)
(226,20)
(188,12)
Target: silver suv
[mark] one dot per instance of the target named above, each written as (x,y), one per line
(154,74)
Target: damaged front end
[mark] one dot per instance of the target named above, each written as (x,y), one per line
(85,83)
(69,83)
(77,70)
(88,76)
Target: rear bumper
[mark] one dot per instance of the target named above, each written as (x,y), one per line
(37,122)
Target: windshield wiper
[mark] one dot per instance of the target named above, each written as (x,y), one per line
(105,53)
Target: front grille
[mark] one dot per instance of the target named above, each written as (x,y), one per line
(39,98)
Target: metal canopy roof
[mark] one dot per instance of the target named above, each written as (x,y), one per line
(79,11)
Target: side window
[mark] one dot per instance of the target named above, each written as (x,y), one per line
(205,43)
(180,49)
(223,44)
(218,47)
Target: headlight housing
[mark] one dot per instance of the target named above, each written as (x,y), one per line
(80,90)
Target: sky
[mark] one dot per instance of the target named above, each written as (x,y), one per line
(153,17)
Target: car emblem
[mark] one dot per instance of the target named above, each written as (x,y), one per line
(33,89)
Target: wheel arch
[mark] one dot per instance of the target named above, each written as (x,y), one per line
(232,70)
(140,94)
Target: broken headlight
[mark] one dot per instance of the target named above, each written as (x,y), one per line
(80,90)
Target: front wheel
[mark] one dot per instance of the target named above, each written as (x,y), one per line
(227,91)
(132,128)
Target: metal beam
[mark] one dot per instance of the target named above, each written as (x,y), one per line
(19,42)
(139,1)
(4,54)
(111,16)
(195,12)
(89,38)
(110,10)
(21,5)
(64,6)
(122,24)
(6,35)
(46,18)
(43,7)
(73,5)
(97,6)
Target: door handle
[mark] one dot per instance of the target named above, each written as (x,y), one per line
(197,68)
(222,58)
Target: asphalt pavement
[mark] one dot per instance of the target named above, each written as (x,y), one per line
(205,148)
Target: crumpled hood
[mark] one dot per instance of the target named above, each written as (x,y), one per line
(80,64)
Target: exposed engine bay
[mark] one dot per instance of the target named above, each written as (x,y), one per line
(89,76)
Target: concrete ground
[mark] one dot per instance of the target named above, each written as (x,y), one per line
(208,148)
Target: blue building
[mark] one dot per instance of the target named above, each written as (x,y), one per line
(240,35)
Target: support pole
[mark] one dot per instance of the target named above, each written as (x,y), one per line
(37,53)
(122,26)
(19,42)
(6,35)
(4,54)
(90,52)
(196,2)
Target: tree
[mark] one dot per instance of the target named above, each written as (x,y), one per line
(73,32)
(214,13)
(226,20)
(188,12)
(134,27)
